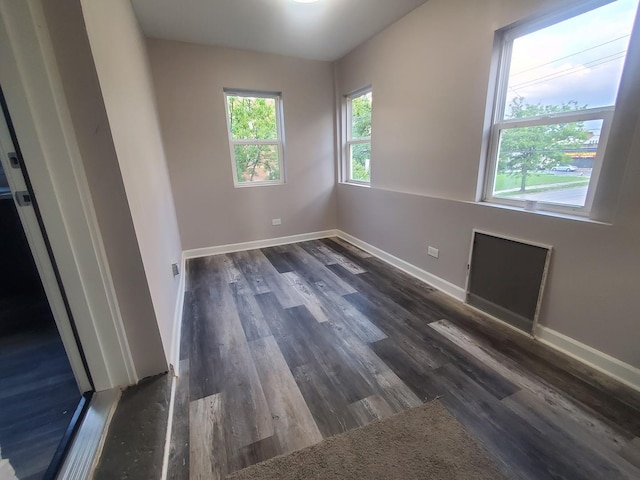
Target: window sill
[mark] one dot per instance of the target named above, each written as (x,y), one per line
(258,184)
(565,216)
(356,183)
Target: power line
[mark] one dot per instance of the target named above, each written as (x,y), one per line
(571,71)
(515,91)
(569,56)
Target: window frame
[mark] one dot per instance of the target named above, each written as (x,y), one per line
(503,51)
(350,141)
(279,142)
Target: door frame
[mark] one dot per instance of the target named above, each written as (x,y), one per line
(40,116)
(36,240)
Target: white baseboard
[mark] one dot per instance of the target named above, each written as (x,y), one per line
(449,288)
(167,440)
(610,366)
(219,250)
(269,242)
(606,364)
(177,321)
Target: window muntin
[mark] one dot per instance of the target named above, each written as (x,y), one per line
(359,107)
(254,122)
(557,86)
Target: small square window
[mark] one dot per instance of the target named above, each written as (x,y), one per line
(254,122)
(556,90)
(358,145)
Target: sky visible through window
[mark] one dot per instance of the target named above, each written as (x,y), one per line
(574,59)
(568,67)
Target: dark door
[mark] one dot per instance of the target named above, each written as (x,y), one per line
(44,384)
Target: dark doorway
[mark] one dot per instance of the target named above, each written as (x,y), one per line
(40,399)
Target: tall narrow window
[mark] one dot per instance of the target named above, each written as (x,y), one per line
(557,86)
(254,121)
(359,136)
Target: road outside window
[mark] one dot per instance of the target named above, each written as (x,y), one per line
(557,88)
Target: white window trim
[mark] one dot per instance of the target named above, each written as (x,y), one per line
(350,141)
(277,97)
(504,45)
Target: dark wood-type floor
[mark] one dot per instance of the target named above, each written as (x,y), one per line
(38,391)
(285,346)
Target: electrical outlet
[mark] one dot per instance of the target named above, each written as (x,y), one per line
(433,252)
(276,221)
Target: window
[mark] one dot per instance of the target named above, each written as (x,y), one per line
(255,128)
(556,89)
(359,136)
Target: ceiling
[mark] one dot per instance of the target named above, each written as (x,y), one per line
(325,30)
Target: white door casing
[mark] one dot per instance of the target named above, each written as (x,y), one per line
(41,258)
(36,101)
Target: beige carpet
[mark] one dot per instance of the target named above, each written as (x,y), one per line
(422,443)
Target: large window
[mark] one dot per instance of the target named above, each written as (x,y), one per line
(359,136)
(254,121)
(557,85)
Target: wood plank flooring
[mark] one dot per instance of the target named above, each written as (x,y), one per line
(38,392)
(284,346)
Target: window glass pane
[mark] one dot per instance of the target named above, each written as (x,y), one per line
(252,118)
(361,116)
(360,155)
(573,64)
(257,163)
(547,163)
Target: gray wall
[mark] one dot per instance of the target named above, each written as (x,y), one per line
(189,81)
(120,57)
(430,75)
(84,99)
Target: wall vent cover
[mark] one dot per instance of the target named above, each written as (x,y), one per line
(507,277)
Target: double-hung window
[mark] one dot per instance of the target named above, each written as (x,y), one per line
(556,90)
(358,143)
(254,121)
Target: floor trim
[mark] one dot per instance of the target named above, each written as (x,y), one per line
(174,361)
(600,361)
(269,242)
(167,441)
(610,366)
(67,440)
(87,444)
(449,288)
